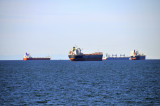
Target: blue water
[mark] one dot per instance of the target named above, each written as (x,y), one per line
(80,83)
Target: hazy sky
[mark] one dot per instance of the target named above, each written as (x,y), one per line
(53,27)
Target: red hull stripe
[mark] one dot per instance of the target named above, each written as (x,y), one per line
(36,58)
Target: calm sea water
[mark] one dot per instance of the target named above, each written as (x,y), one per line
(80,83)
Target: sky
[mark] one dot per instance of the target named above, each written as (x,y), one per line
(53,27)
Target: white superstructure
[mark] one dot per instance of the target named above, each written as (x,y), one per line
(27,55)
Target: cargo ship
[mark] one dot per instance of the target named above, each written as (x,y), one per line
(76,55)
(114,57)
(27,56)
(135,55)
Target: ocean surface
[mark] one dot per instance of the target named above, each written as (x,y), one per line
(62,82)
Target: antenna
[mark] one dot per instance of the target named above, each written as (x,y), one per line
(76,46)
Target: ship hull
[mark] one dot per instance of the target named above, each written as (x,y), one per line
(85,57)
(36,58)
(117,58)
(138,57)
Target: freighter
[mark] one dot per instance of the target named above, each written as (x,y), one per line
(27,56)
(114,57)
(76,55)
(135,55)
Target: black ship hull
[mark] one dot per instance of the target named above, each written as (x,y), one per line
(138,57)
(117,58)
(85,57)
(36,58)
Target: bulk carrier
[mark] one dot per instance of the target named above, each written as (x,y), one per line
(114,57)
(27,56)
(135,55)
(76,55)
